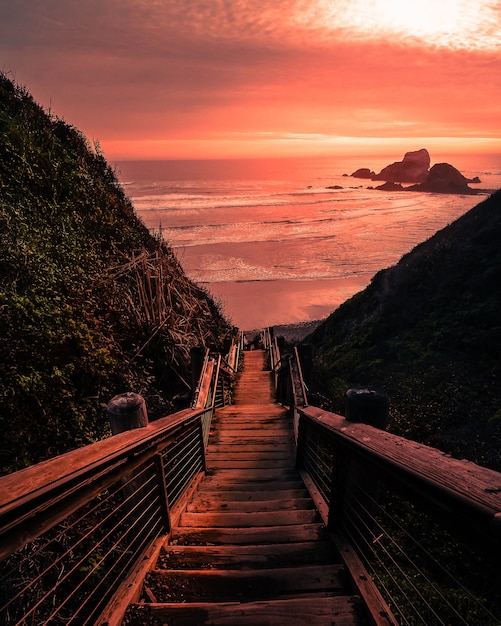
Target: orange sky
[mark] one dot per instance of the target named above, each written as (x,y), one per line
(213,78)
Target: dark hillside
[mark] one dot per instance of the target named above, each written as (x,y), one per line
(428,331)
(91,304)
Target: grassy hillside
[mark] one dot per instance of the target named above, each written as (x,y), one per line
(428,331)
(91,304)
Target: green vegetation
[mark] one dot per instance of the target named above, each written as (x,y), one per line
(428,331)
(91,304)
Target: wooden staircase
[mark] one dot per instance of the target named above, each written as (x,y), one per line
(250,548)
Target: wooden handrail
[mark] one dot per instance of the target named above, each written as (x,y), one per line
(34,499)
(463,491)
(347,466)
(205,383)
(471,491)
(139,465)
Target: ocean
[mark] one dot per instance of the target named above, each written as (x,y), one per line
(273,243)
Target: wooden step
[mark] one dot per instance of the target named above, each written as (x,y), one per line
(214,483)
(245,586)
(253,437)
(242,536)
(249,427)
(241,461)
(247,557)
(269,414)
(250,447)
(243,519)
(264,413)
(341,611)
(249,495)
(239,411)
(206,505)
(229,452)
(236,476)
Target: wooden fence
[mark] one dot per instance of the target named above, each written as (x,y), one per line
(426,526)
(79,529)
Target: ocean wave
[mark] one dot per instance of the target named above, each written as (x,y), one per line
(189,202)
(239,271)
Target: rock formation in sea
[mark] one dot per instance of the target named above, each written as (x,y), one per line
(389,187)
(363,172)
(444,178)
(412,169)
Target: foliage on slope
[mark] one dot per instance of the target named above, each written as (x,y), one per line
(91,304)
(428,331)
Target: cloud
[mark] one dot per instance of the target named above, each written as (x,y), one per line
(165,70)
(453,24)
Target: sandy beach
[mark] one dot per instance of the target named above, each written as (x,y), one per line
(257,304)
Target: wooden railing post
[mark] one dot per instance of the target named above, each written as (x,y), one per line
(363,488)
(126,412)
(197,356)
(367,405)
(305,354)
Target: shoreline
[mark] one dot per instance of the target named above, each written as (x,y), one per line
(258,304)
(292,333)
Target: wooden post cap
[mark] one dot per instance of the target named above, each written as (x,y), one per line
(367,405)
(126,412)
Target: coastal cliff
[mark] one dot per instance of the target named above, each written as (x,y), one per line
(428,332)
(91,303)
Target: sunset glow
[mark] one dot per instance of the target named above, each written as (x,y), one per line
(212,78)
(445,24)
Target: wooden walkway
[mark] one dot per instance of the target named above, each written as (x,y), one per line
(250,548)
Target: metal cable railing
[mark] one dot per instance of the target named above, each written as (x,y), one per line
(183,460)
(429,537)
(426,572)
(68,573)
(73,528)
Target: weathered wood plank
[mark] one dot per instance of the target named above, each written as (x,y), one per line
(212,483)
(253,437)
(341,611)
(217,464)
(251,449)
(264,414)
(245,557)
(239,413)
(248,495)
(241,536)
(227,585)
(247,444)
(462,477)
(255,475)
(252,430)
(231,453)
(204,505)
(243,519)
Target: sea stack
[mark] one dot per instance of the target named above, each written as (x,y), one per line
(412,169)
(444,178)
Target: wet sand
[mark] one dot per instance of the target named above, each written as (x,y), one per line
(257,304)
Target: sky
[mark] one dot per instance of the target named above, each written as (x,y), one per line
(241,78)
